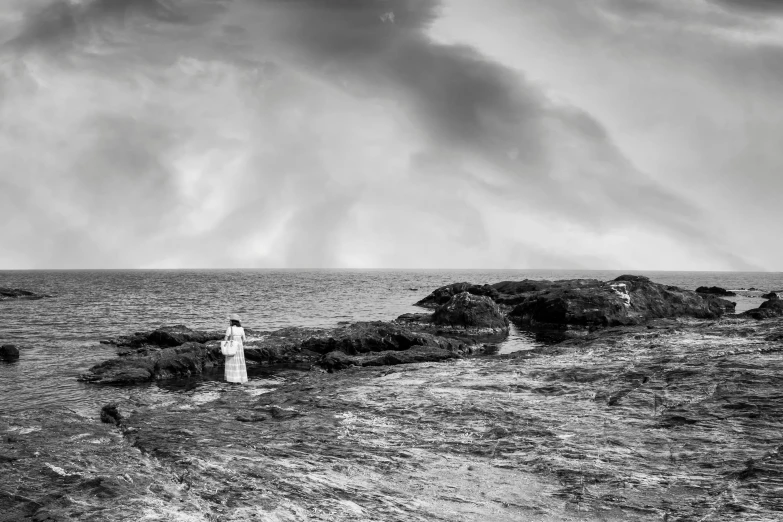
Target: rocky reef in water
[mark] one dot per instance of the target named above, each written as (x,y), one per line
(675,420)
(7,294)
(453,331)
(666,406)
(587,304)
(772,307)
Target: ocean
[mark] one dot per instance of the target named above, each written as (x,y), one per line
(60,337)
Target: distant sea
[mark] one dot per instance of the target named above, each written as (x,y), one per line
(60,336)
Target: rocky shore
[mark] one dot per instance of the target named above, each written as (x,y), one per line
(659,404)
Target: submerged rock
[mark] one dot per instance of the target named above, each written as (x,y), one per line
(715,290)
(9,352)
(18,293)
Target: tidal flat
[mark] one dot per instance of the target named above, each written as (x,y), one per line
(670,420)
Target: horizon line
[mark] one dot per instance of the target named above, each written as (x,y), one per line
(313,269)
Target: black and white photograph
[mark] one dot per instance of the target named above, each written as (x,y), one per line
(391,260)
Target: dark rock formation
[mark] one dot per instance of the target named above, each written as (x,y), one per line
(715,290)
(584,303)
(110,414)
(17,293)
(470,311)
(464,315)
(505,293)
(188,359)
(144,361)
(627,300)
(768,309)
(166,336)
(771,295)
(9,352)
(442,295)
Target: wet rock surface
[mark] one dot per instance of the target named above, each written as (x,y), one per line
(7,294)
(139,360)
(675,420)
(465,315)
(9,352)
(589,303)
(627,300)
(189,359)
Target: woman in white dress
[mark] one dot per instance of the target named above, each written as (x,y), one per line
(236,371)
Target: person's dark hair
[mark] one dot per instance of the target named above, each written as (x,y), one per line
(234,322)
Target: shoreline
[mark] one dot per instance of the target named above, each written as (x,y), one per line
(618,426)
(670,418)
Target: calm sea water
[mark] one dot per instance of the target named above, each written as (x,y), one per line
(60,336)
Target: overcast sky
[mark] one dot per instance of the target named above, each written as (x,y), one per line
(606,134)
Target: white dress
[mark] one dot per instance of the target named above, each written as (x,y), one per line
(236,371)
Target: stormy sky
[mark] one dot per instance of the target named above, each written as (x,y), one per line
(625,134)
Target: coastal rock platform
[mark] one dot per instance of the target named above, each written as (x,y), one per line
(673,420)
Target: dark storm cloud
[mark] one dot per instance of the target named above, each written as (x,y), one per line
(470,103)
(467,105)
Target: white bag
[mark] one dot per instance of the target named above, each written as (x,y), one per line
(228,348)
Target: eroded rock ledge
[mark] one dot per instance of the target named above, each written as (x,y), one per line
(465,316)
(670,420)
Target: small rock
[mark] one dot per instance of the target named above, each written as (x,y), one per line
(9,352)
(499,432)
(110,414)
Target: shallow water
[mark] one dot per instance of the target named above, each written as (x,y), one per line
(60,336)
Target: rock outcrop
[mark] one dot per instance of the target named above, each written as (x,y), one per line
(627,300)
(164,337)
(771,295)
(442,295)
(671,420)
(187,360)
(148,356)
(464,315)
(17,293)
(768,309)
(715,290)
(586,303)
(9,352)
